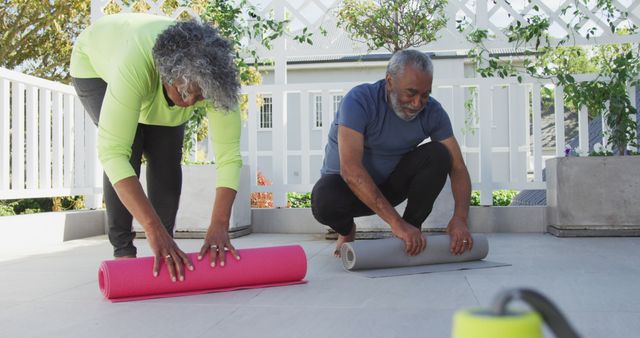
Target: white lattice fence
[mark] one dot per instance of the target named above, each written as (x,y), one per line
(496,15)
(492,15)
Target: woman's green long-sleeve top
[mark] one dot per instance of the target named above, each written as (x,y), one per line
(118,49)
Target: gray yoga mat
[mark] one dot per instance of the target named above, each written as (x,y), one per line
(386,257)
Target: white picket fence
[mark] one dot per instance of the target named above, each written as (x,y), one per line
(47,142)
(506,152)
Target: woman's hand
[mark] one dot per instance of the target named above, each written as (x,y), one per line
(217,241)
(165,248)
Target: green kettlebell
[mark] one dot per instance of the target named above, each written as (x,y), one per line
(499,322)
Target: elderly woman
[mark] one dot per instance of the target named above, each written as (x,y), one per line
(140,77)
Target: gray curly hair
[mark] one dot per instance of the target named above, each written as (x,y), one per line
(412,57)
(196,53)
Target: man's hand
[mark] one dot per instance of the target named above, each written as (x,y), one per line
(164,247)
(460,237)
(217,241)
(414,242)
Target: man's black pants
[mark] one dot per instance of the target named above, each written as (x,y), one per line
(419,177)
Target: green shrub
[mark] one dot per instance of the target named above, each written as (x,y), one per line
(32,205)
(299,200)
(475,198)
(6,208)
(37,205)
(500,197)
(503,197)
(67,203)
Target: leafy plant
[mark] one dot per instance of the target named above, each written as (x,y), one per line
(36,205)
(471,117)
(617,66)
(67,203)
(299,200)
(246,29)
(7,208)
(241,23)
(500,197)
(265,199)
(475,198)
(262,199)
(393,24)
(503,197)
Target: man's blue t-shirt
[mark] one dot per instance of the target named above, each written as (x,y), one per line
(386,136)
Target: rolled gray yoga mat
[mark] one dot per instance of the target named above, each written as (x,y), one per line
(386,257)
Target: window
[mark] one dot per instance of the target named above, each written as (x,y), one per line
(317,110)
(266,113)
(336,104)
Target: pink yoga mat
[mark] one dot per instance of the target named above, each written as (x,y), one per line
(132,279)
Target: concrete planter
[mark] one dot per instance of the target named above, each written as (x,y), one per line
(196,202)
(481,219)
(593,196)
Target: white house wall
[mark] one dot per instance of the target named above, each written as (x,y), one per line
(360,72)
(509,128)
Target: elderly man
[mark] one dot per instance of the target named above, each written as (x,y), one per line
(374,158)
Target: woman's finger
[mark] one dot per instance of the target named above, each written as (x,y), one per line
(156,266)
(177,262)
(233,251)
(213,254)
(185,260)
(203,251)
(223,255)
(172,269)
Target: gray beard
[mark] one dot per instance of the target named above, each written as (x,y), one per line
(398,108)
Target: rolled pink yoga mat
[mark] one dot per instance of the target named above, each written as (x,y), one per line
(132,279)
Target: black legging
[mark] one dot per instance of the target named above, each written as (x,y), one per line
(162,149)
(419,177)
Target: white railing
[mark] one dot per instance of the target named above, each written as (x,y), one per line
(47,143)
(506,152)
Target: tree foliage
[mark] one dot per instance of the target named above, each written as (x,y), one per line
(36,37)
(617,66)
(247,30)
(393,24)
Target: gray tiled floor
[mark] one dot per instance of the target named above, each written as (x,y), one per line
(53,292)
